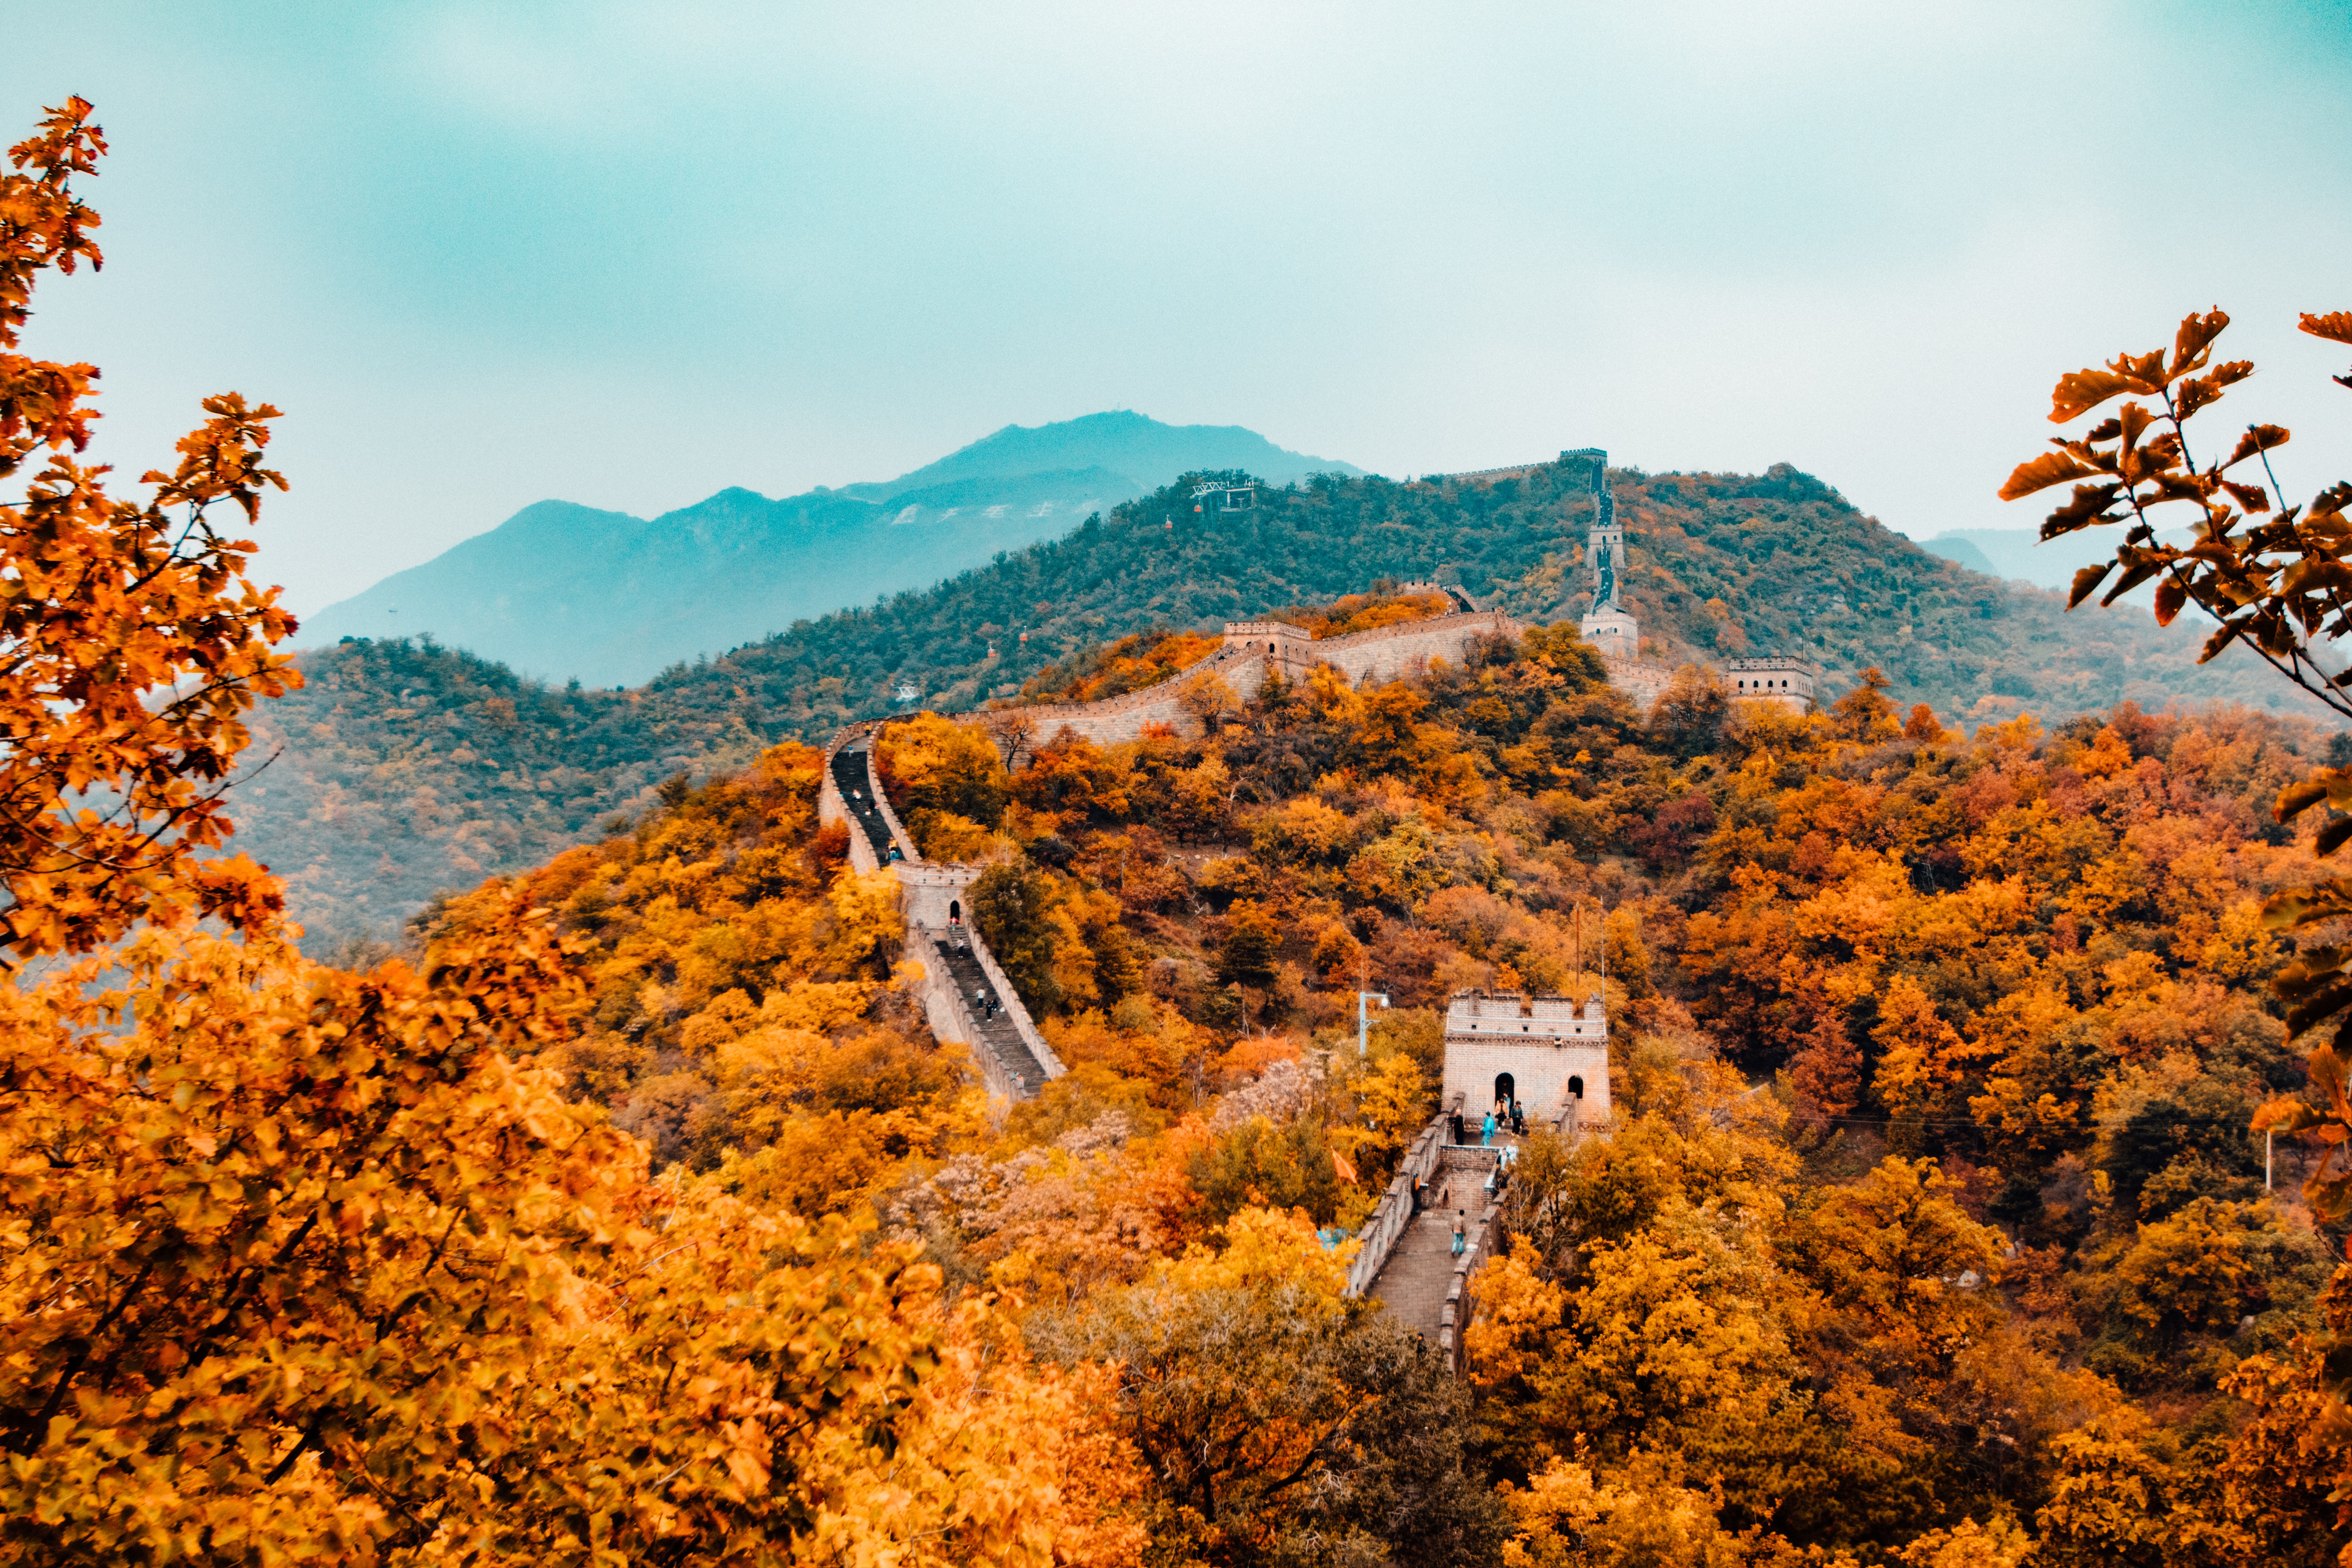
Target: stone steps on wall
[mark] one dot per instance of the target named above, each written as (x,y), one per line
(851,774)
(1001,1037)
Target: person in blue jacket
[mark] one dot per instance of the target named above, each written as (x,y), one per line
(1486,1133)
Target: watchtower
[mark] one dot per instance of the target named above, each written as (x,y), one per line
(1608,627)
(1548,1053)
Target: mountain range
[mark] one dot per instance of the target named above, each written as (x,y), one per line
(404,767)
(566,591)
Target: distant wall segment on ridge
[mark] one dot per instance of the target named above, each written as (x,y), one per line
(1251,649)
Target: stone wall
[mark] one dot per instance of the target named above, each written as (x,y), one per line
(1644,681)
(1791,682)
(949,1013)
(831,808)
(929,892)
(1391,652)
(1393,1213)
(1460,1293)
(1124,718)
(1252,648)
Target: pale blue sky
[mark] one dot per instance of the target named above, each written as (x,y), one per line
(486,253)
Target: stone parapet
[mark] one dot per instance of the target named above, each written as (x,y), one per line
(899,833)
(1394,1212)
(1461,1303)
(1252,648)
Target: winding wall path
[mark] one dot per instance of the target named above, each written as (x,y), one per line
(960,976)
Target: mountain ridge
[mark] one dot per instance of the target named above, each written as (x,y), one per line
(561,590)
(404,767)
(1152,454)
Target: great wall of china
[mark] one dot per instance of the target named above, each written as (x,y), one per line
(1560,1050)
(965,992)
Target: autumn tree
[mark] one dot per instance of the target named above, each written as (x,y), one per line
(106,794)
(1281,1421)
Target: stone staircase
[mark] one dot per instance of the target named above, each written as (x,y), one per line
(854,779)
(999,1036)
(960,978)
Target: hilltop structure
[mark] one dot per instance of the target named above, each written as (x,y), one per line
(1613,630)
(1547,1053)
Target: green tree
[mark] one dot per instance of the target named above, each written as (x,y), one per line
(1258,1164)
(1012,907)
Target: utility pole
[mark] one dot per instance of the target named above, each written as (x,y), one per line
(1364,1020)
(2267,1162)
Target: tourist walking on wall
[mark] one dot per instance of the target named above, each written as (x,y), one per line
(1460,1230)
(1486,1133)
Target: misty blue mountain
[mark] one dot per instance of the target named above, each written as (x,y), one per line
(564,591)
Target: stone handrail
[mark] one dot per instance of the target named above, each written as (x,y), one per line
(1454,1317)
(949,1013)
(1394,1212)
(899,833)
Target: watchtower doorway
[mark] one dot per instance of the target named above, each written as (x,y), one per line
(955,912)
(1506,1089)
(1576,1086)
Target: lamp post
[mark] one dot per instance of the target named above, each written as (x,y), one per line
(1364,1020)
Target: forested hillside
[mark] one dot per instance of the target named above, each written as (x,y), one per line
(1929,1221)
(395,777)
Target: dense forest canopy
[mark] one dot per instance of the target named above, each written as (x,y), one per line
(1930,1220)
(404,769)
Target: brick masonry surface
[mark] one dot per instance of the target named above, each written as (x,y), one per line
(1543,1042)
